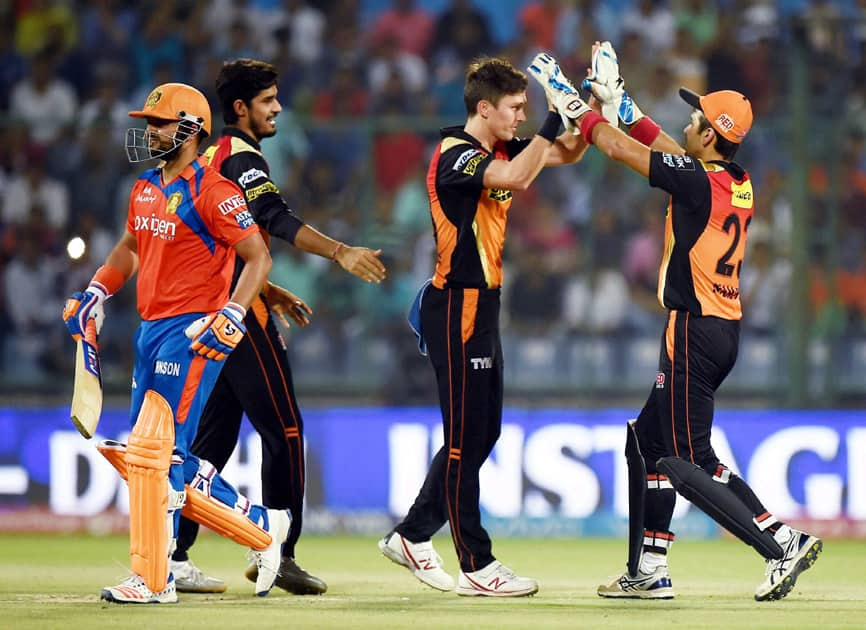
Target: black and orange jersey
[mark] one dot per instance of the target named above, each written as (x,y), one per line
(239,158)
(708,217)
(468,219)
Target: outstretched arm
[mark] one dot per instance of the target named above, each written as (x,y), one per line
(362,262)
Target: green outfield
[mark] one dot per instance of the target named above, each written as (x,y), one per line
(54,582)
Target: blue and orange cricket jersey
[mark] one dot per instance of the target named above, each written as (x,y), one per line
(186,231)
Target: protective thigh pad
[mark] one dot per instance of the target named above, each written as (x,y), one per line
(717,500)
(637,481)
(148,458)
(199,507)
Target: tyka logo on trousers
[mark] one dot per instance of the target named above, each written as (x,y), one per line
(481,363)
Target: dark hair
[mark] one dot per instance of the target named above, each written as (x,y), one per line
(242,79)
(489,79)
(724,147)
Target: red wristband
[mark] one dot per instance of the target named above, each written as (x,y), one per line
(340,245)
(109,278)
(645,131)
(588,123)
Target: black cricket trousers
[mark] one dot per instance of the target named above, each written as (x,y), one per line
(461,327)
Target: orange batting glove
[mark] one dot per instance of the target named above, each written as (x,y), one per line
(220,333)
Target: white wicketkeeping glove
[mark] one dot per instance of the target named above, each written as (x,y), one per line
(604,81)
(559,90)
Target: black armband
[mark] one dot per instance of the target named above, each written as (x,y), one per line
(550,128)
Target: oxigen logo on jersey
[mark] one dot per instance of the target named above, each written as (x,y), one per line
(159,228)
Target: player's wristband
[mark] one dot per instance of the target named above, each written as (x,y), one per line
(108,279)
(236,309)
(588,123)
(340,245)
(645,131)
(550,128)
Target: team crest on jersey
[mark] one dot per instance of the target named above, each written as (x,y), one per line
(152,99)
(497,194)
(660,380)
(173,202)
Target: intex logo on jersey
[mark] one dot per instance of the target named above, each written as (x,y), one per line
(660,380)
(146,195)
(231,204)
(680,162)
(166,230)
(481,363)
(250,176)
(167,368)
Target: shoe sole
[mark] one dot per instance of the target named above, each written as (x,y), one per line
(810,556)
(656,594)
(471,592)
(108,597)
(399,559)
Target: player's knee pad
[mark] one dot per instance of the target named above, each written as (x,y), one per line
(720,502)
(148,458)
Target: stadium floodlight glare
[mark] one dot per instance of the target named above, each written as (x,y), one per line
(76,247)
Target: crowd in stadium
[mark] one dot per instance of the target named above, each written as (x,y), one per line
(365,86)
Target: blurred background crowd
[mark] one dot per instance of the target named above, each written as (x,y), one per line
(365,86)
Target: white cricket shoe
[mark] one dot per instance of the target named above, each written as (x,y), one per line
(420,558)
(268,561)
(495,580)
(133,590)
(655,585)
(188,578)
(800,551)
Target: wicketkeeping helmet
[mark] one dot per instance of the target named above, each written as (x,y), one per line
(169,101)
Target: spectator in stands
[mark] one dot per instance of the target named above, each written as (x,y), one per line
(410,26)
(539,19)
(43,101)
(34,187)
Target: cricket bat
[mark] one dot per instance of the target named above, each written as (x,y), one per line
(87,390)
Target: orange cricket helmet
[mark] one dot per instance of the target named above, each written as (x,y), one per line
(177,101)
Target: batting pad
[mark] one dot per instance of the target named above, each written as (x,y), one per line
(148,458)
(199,507)
(718,501)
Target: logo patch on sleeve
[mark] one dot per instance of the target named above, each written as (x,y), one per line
(248,177)
(678,162)
(231,204)
(472,164)
(244,219)
(463,158)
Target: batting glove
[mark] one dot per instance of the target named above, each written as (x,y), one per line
(220,333)
(606,84)
(83,306)
(559,90)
